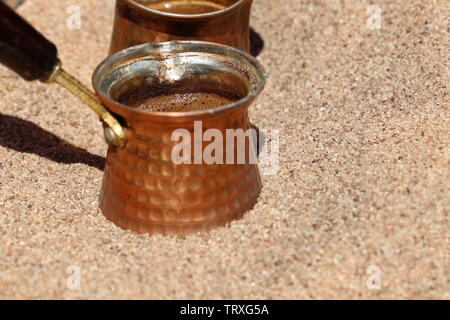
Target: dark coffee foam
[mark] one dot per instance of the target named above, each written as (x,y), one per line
(150,98)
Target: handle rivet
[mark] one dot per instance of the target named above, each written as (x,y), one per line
(110,136)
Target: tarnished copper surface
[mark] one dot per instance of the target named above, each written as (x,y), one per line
(136,24)
(143,190)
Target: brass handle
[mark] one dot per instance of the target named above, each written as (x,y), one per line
(114,133)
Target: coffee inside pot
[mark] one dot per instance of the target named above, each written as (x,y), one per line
(189,6)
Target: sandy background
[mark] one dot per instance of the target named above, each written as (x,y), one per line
(363,180)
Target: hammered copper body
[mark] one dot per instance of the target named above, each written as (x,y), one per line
(143,190)
(136,24)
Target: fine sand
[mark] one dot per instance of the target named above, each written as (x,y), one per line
(362,187)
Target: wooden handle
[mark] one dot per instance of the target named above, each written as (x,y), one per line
(23,49)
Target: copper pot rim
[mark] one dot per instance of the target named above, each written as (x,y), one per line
(126,110)
(171,15)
